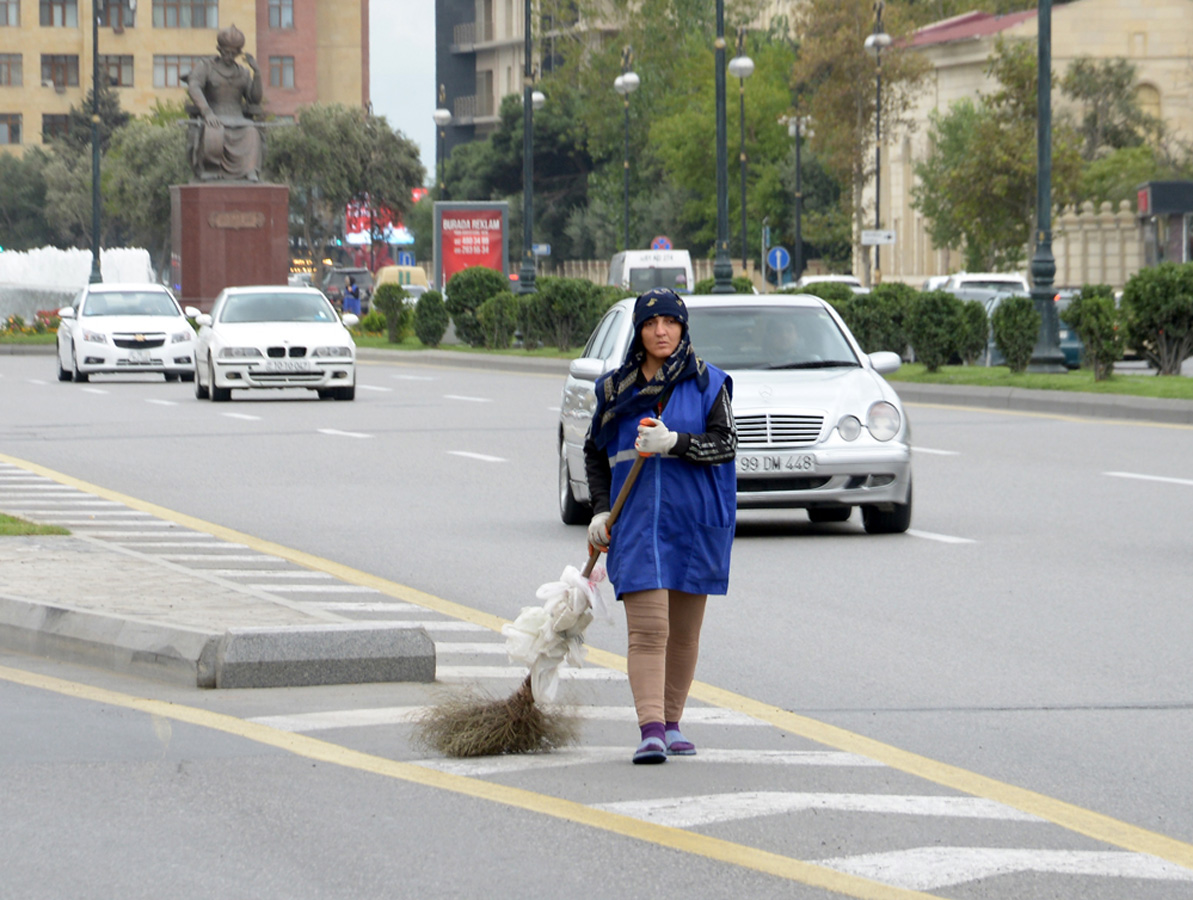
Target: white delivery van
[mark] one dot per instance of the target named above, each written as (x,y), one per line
(640,270)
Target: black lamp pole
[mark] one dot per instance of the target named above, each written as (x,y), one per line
(797,262)
(1047,356)
(526,274)
(96,275)
(722,269)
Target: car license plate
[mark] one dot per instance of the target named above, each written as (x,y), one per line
(138,356)
(287,365)
(777,462)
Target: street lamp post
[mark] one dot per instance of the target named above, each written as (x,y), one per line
(1047,356)
(442,116)
(625,84)
(741,67)
(797,127)
(722,268)
(526,273)
(875,44)
(96,275)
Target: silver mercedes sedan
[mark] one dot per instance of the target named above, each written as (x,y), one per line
(818,427)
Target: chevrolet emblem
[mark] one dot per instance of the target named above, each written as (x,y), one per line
(138,338)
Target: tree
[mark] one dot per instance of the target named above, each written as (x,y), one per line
(1111,117)
(992,143)
(839,79)
(23,224)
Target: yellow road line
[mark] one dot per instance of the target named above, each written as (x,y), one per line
(567,810)
(1073,818)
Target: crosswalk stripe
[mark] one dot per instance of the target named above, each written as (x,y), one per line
(457,674)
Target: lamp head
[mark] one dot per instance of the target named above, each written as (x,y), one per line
(741,67)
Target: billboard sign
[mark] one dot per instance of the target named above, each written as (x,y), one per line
(470,234)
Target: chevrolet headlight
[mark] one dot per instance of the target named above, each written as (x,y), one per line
(239,352)
(96,337)
(883,420)
(181,337)
(338,352)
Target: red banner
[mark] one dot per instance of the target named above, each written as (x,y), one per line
(471,238)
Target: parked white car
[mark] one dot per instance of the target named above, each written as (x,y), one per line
(989,281)
(818,427)
(121,328)
(851,281)
(274,337)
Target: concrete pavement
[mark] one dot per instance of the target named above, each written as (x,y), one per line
(137,593)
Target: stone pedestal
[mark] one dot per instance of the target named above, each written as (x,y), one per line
(226,234)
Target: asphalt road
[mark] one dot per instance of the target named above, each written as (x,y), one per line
(1033,627)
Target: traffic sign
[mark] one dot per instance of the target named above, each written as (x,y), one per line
(405,258)
(662,242)
(874,236)
(541,249)
(778,258)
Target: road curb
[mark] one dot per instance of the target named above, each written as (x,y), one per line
(1070,403)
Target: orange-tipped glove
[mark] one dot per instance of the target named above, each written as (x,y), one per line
(654,437)
(598,532)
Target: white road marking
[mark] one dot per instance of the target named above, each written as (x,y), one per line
(467,399)
(29,501)
(267,573)
(374,387)
(36,381)
(25,485)
(457,674)
(312,588)
(936,452)
(203,557)
(943,538)
(91,390)
(161,402)
(491,648)
(446,625)
(132,513)
(505,765)
(1184,481)
(334,432)
(479,456)
(930,868)
(399,715)
(140,544)
(379,606)
(139,523)
(695,811)
(245,416)
(413,377)
(181,535)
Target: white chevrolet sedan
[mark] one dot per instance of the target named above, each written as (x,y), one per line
(818,427)
(121,328)
(274,337)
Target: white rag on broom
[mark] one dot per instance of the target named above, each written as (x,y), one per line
(542,637)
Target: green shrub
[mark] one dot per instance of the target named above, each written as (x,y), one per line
(1098,322)
(466,291)
(564,311)
(896,299)
(1016,329)
(372,323)
(498,317)
(975,331)
(869,320)
(1158,302)
(430,318)
(741,285)
(933,325)
(392,301)
(833,291)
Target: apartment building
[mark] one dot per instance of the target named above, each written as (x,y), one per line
(308,51)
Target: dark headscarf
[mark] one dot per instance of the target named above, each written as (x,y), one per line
(615,392)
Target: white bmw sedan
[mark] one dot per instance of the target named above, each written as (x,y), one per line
(121,328)
(818,427)
(274,337)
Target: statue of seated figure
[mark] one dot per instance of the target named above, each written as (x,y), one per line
(223,140)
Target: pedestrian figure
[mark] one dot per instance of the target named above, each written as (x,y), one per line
(671,544)
(351,301)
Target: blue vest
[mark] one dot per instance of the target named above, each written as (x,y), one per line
(676,528)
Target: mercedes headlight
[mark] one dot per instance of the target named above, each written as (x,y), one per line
(883,420)
(849,428)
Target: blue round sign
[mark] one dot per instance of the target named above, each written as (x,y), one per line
(662,242)
(778,258)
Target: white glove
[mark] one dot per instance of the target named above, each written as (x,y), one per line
(654,437)
(598,531)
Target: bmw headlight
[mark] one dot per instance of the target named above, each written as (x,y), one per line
(182,336)
(96,337)
(883,420)
(849,428)
(239,352)
(339,352)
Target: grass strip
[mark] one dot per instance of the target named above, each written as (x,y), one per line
(11,525)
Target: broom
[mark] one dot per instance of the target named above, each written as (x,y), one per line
(478,725)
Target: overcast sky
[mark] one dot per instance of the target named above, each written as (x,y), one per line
(402,70)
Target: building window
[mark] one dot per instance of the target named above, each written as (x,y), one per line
(281,13)
(54,127)
(60,71)
(281,71)
(118,14)
(10,69)
(186,14)
(60,13)
(10,128)
(168,71)
(10,13)
(119,69)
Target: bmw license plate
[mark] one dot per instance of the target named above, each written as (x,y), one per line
(287,365)
(776,462)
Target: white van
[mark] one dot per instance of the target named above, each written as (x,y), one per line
(640,270)
(989,281)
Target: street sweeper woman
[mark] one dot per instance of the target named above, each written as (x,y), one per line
(669,547)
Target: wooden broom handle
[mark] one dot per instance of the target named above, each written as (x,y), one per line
(616,510)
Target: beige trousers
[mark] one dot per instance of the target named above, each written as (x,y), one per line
(664,631)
